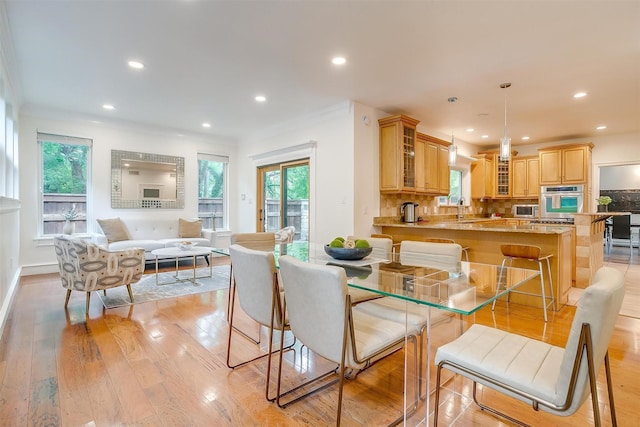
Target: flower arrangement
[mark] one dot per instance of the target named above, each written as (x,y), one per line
(604,200)
(71,214)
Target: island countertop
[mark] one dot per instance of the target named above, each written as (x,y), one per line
(495,225)
(483,238)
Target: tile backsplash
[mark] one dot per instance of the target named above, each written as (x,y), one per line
(428,205)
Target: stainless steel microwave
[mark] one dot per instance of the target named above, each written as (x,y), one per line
(525,211)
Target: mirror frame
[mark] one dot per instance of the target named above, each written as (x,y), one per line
(116,181)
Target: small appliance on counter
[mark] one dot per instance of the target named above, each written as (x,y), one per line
(408,212)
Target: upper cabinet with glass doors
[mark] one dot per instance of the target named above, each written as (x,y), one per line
(411,162)
(397,154)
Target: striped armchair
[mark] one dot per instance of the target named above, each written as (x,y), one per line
(87,267)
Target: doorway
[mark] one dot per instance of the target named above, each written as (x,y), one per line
(283,197)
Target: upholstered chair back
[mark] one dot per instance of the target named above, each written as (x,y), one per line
(86,267)
(263,241)
(444,256)
(256,281)
(598,306)
(316,298)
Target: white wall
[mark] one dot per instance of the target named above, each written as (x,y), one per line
(36,255)
(331,172)
(624,177)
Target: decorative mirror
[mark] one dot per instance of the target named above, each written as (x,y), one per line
(143,180)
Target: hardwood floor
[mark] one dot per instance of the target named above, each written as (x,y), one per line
(163,364)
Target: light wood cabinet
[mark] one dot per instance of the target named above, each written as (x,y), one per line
(432,165)
(444,171)
(569,164)
(526,177)
(398,154)
(482,178)
(494,181)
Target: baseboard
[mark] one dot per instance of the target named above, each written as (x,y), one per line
(33,269)
(8,300)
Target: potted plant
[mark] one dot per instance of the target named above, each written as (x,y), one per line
(603,201)
(69,215)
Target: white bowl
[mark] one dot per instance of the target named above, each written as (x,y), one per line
(186,246)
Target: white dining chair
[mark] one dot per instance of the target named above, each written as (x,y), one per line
(442,256)
(320,315)
(260,297)
(552,379)
(262,241)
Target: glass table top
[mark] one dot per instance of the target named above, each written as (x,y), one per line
(461,287)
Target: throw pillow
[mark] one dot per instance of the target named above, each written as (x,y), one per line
(114,229)
(189,229)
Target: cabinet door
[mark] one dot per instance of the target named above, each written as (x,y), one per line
(421,167)
(533,178)
(519,177)
(550,167)
(432,167)
(574,165)
(408,158)
(481,178)
(502,184)
(390,162)
(443,170)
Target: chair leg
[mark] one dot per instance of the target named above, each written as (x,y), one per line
(612,406)
(493,305)
(66,300)
(542,293)
(88,299)
(130,293)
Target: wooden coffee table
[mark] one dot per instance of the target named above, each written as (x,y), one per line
(178,253)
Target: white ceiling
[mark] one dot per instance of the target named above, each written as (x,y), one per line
(206,60)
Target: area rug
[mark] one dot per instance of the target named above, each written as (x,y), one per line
(146,289)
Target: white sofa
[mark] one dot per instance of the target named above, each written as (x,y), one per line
(151,233)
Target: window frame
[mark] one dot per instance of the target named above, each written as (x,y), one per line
(225,186)
(446,200)
(43,137)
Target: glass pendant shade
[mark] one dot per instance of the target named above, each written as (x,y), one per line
(505,147)
(453,153)
(505,141)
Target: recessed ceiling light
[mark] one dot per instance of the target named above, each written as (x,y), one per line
(485,136)
(469,129)
(339,60)
(108,107)
(261,98)
(525,138)
(136,64)
(580,95)
(206,125)
(602,127)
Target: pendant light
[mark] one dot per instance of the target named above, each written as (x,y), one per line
(505,141)
(453,150)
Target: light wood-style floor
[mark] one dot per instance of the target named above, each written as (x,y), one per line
(163,364)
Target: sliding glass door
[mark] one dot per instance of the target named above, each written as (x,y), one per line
(283,197)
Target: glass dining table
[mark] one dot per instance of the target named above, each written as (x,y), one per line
(460,288)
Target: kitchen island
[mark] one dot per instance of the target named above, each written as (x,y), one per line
(484,237)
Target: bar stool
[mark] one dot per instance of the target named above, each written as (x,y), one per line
(528,253)
(465,249)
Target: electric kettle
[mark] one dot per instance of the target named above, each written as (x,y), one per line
(408,211)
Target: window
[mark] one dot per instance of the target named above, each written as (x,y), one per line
(212,191)
(455,192)
(65,171)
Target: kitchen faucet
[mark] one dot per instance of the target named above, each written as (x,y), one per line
(461,208)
